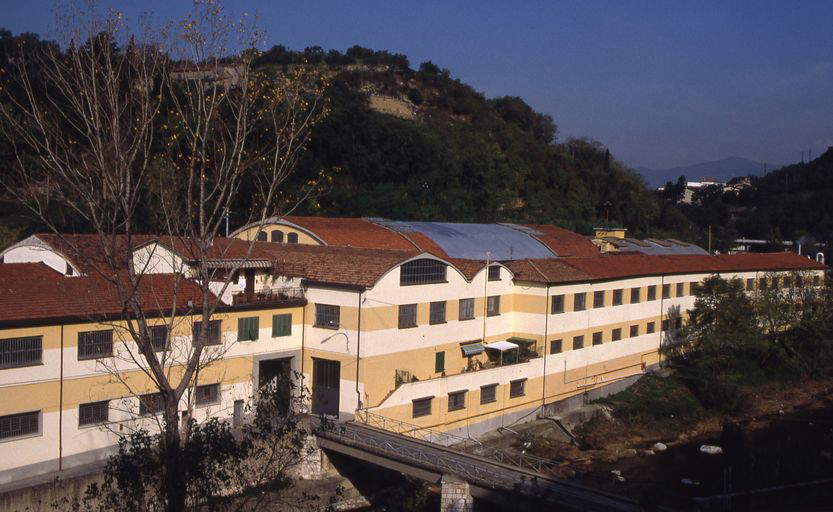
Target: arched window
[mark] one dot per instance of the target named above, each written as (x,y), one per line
(422,271)
(261,236)
(277,236)
(292,238)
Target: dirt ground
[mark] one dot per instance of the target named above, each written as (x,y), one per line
(785,436)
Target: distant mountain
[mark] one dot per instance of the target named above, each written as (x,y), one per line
(722,170)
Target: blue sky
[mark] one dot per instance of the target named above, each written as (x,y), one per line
(661,83)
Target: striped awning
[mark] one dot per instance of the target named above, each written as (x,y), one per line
(472,349)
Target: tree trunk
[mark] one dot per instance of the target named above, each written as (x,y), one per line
(174,485)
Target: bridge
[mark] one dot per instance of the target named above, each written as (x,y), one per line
(437,457)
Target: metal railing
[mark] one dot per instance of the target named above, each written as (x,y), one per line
(464,444)
(267,296)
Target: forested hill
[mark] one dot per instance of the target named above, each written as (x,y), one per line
(443,151)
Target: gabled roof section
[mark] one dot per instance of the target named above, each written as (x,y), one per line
(563,242)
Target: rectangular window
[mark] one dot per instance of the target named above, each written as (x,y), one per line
(94,413)
(693,288)
(635,295)
(488,393)
(666,291)
(466,309)
(407,316)
(775,280)
(788,282)
(23,351)
(665,325)
(680,289)
(437,313)
(282,325)
(439,362)
(578,342)
(597,338)
(212,336)
(456,401)
(616,334)
(556,347)
(159,338)
(93,344)
(494,272)
(579,300)
(651,327)
(517,388)
(678,322)
(652,292)
(422,271)
(152,403)
(207,394)
(19,425)
(557,304)
(422,407)
(750,284)
(493,305)
(247,328)
(327,316)
(816,280)
(762,284)
(617,297)
(634,332)
(598,299)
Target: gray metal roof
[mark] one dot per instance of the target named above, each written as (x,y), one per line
(474,241)
(655,246)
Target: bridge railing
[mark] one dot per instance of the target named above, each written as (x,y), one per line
(465,444)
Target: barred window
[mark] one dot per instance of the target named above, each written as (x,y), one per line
(597,338)
(494,273)
(437,313)
(616,334)
(18,425)
(634,332)
(151,403)
(93,344)
(212,337)
(466,309)
(666,291)
(407,316)
(680,289)
(248,328)
(652,292)
(650,328)
(579,300)
(556,347)
(578,342)
(557,304)
(207,394)
(493,305)
(277,236)
(517,388)
(635,295)
(456,401)
(292,238)
(422,271)
(23,351)
(617,297)
(599,299)
(94,413)
(327,315)
(488,393)
(422,407)
(159,337)
(282,325)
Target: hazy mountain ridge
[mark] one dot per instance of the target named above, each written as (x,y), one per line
(722,170)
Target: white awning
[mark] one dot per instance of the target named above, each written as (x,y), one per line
(501,345)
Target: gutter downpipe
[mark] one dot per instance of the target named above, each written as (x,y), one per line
(358,351)
(661,314)
(61,407)
(546,330)
(303,385)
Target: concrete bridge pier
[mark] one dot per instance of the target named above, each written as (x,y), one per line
(456,495)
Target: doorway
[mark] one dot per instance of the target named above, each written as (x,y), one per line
(326,375)
(278,373)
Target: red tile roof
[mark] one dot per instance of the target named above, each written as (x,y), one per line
(623,265)
(352,232)
(30,292)
(564,242)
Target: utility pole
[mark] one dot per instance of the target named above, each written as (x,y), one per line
(710,239)
(227,222)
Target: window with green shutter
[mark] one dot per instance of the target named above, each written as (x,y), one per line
(247,328)
(281,325)
(439,362)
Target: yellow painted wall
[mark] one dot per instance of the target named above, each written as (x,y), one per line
(303,236)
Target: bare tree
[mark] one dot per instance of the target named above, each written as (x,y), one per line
(173,123)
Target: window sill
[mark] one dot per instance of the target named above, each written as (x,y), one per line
(419,284)
(489,402)
(456,409)
(93,358)
(330,327)
(438,323)
(465,319)
(87,426)
(25,365)
(492,314)
(401,327)
(20,438)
